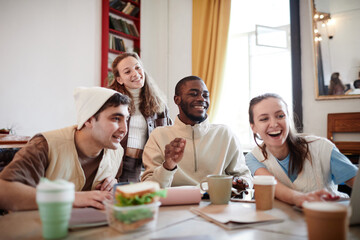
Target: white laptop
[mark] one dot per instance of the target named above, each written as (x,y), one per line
(355,201)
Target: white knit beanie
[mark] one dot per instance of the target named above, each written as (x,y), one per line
(89,100)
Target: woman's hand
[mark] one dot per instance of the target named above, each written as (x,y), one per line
(320,195)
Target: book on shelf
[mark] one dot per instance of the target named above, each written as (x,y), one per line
(134,30)
(112,44)
(130,9)
(120,25)
(116,43)
(117,4)
(125,7)
(235,215)
(131,30)
(124,26)
(114,3)
(120,31)
(135,11)
(128,4)
(115,24)
(122,45)
(111,25)
(128,26)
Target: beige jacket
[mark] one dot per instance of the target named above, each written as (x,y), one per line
(64,162)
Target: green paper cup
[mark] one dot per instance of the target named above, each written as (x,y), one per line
(55,200)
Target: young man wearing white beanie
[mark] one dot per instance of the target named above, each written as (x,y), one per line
(88,154)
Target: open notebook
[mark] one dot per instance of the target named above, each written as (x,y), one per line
(234,215)
(87,217)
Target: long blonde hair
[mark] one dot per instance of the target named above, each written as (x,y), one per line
(151,98)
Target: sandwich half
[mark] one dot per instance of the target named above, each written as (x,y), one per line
(138,193)
(136,204)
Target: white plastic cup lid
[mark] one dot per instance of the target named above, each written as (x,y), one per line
(264,180)
(325,206)
(55,191)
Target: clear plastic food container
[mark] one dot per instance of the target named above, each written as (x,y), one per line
(130,218)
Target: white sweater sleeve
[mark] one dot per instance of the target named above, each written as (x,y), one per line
(153,158)
(237,165)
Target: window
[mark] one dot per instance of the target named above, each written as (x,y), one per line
(258,61)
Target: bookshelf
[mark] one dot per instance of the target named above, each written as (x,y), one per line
(120,31)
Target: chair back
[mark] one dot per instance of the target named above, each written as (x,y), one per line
(344,123)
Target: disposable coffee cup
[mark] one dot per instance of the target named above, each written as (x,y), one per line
(326,220)
(55,199)
(219,188)
(264,187)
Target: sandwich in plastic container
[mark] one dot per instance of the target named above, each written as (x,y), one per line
(135,206)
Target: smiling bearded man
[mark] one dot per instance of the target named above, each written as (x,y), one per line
(191,149)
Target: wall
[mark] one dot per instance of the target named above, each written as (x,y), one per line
(47,48)
(50,47)
(315,111)
(166,43)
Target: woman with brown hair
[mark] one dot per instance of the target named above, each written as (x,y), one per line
(336,87)
(308,168)
(148,110)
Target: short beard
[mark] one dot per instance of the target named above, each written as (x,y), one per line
(190,116)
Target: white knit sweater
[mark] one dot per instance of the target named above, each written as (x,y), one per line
(138,126)
(315,175)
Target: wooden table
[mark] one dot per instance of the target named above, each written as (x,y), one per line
(13,141)
(173,222)
(9,145)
